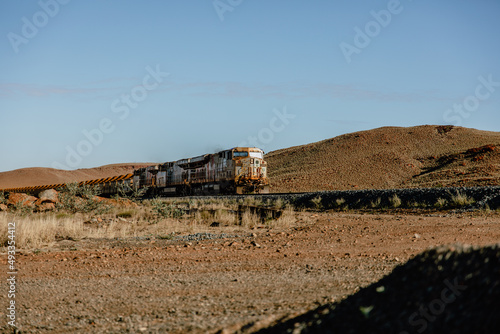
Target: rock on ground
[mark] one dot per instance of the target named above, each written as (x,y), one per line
(49,195)
(21,199)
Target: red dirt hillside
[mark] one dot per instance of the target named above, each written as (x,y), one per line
(390,157)
(36,176)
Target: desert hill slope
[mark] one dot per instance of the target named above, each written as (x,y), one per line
(389,157)
(36,176)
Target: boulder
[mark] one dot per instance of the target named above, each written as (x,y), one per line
(16,199)
(49,196)
(3,207)
(47,206)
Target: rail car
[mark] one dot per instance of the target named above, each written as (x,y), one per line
(240,170)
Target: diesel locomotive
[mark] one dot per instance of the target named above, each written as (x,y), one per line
(240,170)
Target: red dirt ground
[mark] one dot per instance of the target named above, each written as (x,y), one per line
(117,286)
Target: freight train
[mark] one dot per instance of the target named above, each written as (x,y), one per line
(240,170)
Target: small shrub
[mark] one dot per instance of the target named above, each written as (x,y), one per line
(2,198)
(125,191)
(395,201)
(460,199)
(88,191)
(165,210)
(75,198)
(376,203)
(487,208)
(441,203)
(23,209)
(339,201)
(316,202)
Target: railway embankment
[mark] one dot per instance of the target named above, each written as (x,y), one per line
(463,198)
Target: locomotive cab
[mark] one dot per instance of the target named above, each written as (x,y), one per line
(250,170)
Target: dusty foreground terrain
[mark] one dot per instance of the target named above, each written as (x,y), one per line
(255,277)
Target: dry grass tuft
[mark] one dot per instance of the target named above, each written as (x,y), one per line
(441,203)
(287,218)
(37,231)
(395,201)
(225,217)
(249,219)
(316,202)
(460,199)
(376,203)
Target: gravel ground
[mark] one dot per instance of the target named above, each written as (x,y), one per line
(180,285)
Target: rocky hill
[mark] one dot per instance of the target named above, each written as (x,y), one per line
(390,157)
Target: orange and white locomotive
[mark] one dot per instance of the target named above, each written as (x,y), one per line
(239,170)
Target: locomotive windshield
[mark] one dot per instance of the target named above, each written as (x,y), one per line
(240,154)
(256,155)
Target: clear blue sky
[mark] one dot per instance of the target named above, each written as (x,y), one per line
(85,83)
